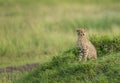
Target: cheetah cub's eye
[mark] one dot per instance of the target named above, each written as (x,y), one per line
(82,34)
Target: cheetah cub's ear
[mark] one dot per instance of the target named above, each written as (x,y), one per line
(81,30)
(77,30)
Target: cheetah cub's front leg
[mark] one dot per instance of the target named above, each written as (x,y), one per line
(80,55)
(85,54)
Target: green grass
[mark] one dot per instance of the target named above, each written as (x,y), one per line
(36,30)
(66,68)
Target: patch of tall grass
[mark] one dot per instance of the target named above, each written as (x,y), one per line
(51,37)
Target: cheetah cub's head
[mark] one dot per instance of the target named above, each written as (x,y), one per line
(81,32)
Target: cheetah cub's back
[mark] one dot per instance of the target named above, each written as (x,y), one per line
(86,48)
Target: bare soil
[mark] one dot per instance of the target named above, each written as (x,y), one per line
(25,67)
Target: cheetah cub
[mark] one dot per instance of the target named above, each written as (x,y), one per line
(86,48)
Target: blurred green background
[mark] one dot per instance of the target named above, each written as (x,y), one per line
(35,30)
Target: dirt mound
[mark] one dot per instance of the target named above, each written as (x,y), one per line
(19,68)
